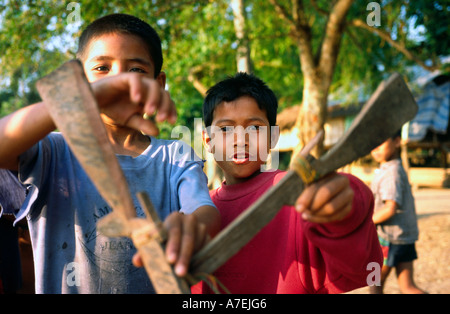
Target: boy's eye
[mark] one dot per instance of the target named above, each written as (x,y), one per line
(101,68)
(138,70)
(253,128)
(226,129)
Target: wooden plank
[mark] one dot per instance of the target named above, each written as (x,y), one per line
(152,252)
(73,108)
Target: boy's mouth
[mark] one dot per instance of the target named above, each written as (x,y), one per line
(241,158)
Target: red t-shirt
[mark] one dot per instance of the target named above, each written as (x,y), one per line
(291,255)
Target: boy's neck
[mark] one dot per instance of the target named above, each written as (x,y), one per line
(394,157)
(230,180)
(126,141)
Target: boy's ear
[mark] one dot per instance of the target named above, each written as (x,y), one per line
(161,79)
(206,141)
(398,142)
(274,136)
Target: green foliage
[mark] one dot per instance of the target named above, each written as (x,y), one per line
(433,17)
(36,36)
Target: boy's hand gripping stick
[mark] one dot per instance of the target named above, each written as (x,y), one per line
(70,101)
(73,108)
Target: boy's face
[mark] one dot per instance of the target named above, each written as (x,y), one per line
(239,138)
(386,151)
(115,53)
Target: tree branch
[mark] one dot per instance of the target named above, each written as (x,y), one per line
(300,31)
(333,35)
(319,9)
(354,39)
(298,12)
(283,13)
(166,6)
(193,77)
(398,46)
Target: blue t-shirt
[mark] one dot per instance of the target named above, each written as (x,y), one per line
(63,207)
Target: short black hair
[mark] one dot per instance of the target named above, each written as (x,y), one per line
(126,24)
(397,134)
(234,87)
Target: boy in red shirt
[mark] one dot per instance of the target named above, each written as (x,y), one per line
(322,245)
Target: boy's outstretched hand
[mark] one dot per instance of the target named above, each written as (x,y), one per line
(126,97)
(327,200)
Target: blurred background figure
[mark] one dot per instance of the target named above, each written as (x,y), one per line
(16,259)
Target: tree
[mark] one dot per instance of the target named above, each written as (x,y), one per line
(243,60)
(318,54)
(304,50)
(317,68)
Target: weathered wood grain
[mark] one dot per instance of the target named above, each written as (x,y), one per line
(73,108)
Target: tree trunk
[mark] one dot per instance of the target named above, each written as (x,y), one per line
(317,68)
(243,59)
(313,112)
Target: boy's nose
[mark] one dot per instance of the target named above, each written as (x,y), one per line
(240,136)
(117,68)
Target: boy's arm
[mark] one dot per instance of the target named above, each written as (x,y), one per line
(188,233)
(385,212)
(124,98)
(209,217)
(21,130)
(348,244)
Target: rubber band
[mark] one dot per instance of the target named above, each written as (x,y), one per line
(303,168)
(213,283)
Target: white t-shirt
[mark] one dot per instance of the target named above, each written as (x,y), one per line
(391,183)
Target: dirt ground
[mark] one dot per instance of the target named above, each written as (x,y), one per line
(432,268)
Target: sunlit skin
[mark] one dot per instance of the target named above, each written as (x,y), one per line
(329,199)
(388,150)
(241,133)
(112,54)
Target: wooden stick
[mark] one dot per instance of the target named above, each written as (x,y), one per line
(73,108)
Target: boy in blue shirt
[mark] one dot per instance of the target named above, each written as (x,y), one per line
(63,205)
